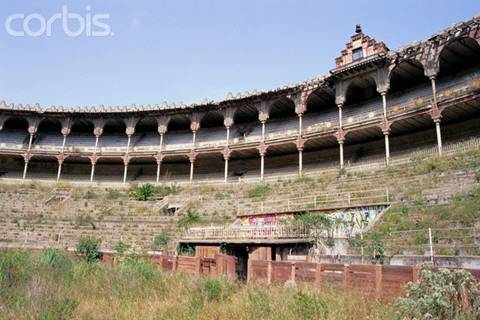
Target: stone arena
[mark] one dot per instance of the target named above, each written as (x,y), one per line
(376,106)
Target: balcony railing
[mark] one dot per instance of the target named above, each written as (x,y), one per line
(248,232)
(413,102)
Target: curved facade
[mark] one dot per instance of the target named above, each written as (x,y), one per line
(375,104)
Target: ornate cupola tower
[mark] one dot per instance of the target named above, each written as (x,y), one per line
(361,48)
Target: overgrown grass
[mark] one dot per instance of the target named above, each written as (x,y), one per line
(33,288)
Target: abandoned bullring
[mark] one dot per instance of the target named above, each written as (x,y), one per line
(362,179)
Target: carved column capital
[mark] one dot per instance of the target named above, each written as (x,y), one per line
(435,112)
(228,115)
(126,159)
(195,119)
(385,126)
(33,123)
(159,158)
(301,143)
(263,111)
(226,152)
(262,148)
(192,155)
(162,122)
(93,159)
(340,136)
(98,125)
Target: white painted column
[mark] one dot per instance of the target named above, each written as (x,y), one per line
(92,172)
(25,168)
(340,126)
(191,170)
(159,164)
(125,172)
(263,130)
(227,140)
(59,170)
(300,162)
(439,136)
(194,138)
(436,119)
(387,149)
(262,166)
(341,155)
(226,170)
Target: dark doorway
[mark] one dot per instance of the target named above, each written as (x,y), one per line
(241,253)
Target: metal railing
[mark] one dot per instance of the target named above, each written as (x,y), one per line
(317,200)
(248,232)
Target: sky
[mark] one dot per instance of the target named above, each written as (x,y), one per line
(189,50)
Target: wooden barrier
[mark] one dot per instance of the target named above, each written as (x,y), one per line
(381,280)
(221,265)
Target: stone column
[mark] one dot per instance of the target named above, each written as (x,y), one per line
(340,134)
(60,163)
(262,149)
(436,114)
(26,158)
(300,161)
(300,145)
(192,156)
(93,160)
(228,123)
(226,156)
(159,159)
(439,135)
(126,160)
(195,126)
(263,116)
(66,130)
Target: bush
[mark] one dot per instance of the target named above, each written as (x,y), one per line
(121,247)
(161,241)
(15,269)
(190,218)
(56,258)
(259,192)
(138,267)
(148,191)
(308,306)
(442,294)
(142,192)
(88,249)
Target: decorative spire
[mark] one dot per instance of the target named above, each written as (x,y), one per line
(358,29)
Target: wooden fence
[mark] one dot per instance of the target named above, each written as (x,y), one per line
(220,266)
(382,280)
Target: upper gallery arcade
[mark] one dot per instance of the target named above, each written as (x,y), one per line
(373,97)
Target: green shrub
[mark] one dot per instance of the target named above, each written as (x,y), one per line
(15,269)
(259,303)
(121,247)
(88,249)
(442,294)
(138,267)
(148,191)
(56,258)
(142,192)
(259,192)
(192,217)
(185,249)
(308,306)
(161,241)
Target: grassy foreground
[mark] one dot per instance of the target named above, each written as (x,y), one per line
(53,286)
